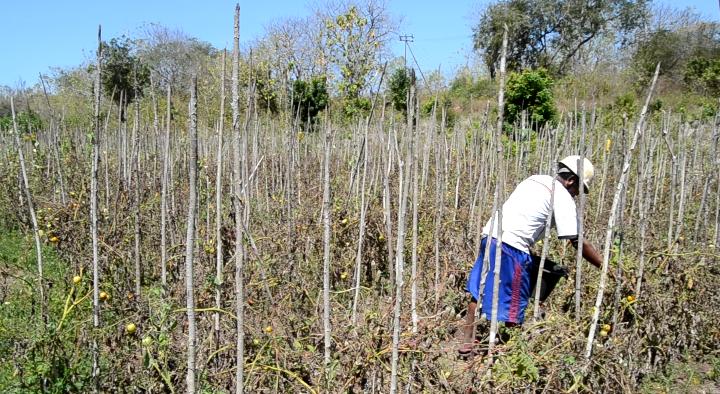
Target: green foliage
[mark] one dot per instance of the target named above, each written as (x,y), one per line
(625,104)
(27,122)
(45,356)
(623,107)
(549,33)
(685,376)
(518,365)
(122,71)
(398,87)
(266,89)
(346,31)
(655,106)
(465,87)
(687,56)
(530,91)
(703,74)
(663,46)
(443,103)
(354,39)
(698,108)
(309,99)
(354,107)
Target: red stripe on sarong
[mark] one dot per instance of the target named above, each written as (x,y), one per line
(515,297)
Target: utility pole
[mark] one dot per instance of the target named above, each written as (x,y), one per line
(406,39)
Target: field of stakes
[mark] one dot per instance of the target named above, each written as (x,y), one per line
(232,227)
(668,224)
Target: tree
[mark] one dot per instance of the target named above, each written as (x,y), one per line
(292,47)
(550,33)
(530,91)
(354,37)
(398,86)
(123,72)
(309,99)
(664,46)
(687,55)
(172,55)
(703,75)
(266,89)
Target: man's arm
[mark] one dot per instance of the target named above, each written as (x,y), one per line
(589,252)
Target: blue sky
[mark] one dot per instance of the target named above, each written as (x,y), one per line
(40,34)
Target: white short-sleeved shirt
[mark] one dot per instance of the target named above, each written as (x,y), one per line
(526,210)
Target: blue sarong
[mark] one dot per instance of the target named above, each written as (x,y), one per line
(516,267)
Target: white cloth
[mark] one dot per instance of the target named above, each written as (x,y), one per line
(526,210)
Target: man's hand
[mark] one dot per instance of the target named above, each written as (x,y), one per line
(589,252)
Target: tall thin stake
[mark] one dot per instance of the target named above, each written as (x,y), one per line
(93,216)
(580,227)
(613,215)
(326,245)
(218,211)
(239,246)
(190,238)
(498,198)
(163,198)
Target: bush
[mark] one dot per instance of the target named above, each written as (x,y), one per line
(443,102)
(309,99)
(356,106)
(530,91)
(27,122)
(398,86)
(703,75)
(465,87)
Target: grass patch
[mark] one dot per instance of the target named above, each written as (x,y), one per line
(41,357)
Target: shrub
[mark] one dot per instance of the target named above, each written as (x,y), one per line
(27,122)
(443,102)
(530,91)
(309,98)
(398,86)
(703,75)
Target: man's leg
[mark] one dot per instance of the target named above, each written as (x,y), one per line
(468,339)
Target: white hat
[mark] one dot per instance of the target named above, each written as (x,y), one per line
(571,163)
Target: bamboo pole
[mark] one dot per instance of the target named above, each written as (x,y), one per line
(326,246)
(546,248)
(93,217)
(361,235)
(403,186)
(415,197)
(164,198)
(239,246)
(440,182)
(613,214)
(387,207)
(190,238)
(218,210)
(580,226)
(497,200)
(135,163)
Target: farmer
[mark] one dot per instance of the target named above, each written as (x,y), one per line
(524,216)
